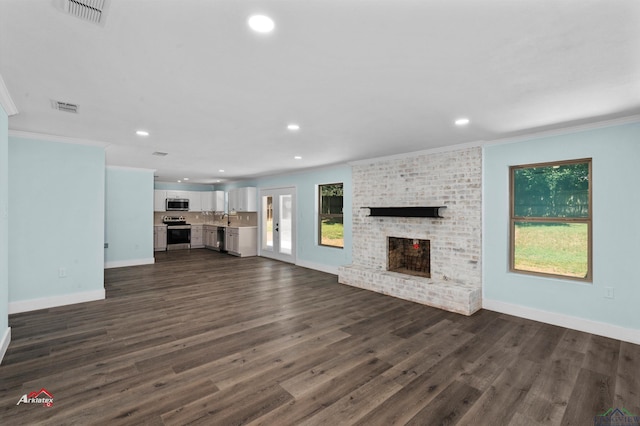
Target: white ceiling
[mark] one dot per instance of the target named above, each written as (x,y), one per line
(362,78)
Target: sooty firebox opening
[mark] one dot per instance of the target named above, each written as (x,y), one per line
(409,256)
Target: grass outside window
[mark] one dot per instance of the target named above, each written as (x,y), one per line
(330,217)
(332,232)
(552,247)
(551,219)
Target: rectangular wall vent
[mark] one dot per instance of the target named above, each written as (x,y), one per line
(88,10)
(64,106)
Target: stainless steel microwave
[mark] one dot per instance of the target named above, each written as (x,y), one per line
(177,204)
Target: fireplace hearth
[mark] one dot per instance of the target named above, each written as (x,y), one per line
(409,256)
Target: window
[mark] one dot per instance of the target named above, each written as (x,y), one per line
(330,221)
(550,226)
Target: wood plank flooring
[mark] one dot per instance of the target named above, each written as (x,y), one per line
(205,338)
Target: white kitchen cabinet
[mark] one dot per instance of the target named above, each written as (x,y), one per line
(242,241)
(159,197)
(211,237)
(212,201)
(205,235)
(243,199)
(199,201)
(197,236)
(233,241)
(177,194)
(206,198)
(218,201)
(232,200)
(195,201)
(159,238)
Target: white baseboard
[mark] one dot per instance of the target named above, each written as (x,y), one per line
(594,327)
(53,301)
(132,262)
(4,343)
(318,267)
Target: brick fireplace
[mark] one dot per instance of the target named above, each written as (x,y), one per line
(451,277)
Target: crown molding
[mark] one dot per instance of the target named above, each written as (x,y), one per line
(5,99)
(53,138)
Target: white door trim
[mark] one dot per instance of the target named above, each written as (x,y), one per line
(277,191)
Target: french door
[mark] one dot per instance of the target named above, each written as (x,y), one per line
(278,223)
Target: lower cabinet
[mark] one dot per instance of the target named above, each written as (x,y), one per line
(210,237)
(159,238)
(233,241)
(239,241)
(197,236)
(242,241)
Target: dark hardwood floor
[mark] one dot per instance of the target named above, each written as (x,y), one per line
(205,338)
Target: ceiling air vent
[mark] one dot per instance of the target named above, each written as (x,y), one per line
(160,154)
(88,10)
(64,106)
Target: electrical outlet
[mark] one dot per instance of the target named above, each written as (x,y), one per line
(62,272)
(608,293)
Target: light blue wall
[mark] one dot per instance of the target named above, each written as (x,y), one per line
(244,183)
(56,205)
(308,250)
(4,223)
(616,229)
(128,216)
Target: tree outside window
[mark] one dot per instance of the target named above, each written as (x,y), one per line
(330,218)
(551,219)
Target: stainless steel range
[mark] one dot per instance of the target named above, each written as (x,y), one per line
(178,232)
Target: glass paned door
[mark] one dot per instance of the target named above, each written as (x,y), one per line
(277,223)
(285,223)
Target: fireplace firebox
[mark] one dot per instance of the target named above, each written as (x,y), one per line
(409,256)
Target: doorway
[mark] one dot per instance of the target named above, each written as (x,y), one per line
(278,223)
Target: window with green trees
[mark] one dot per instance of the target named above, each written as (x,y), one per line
(551,219)
(330,219)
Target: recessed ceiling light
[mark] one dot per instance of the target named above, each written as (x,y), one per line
(462,121)
(261,23)
(185,178)
(142,133)
(179,181)
(293,127)
(221,171)
(297,157)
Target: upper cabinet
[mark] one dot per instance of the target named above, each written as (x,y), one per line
(159,197)
(212,201)
(243,199)
(177,194)
(195,201)
(199,201)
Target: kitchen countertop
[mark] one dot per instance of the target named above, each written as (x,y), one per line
(225,226)
(220,225)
